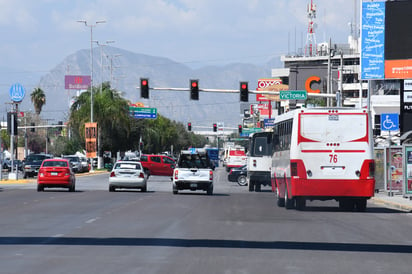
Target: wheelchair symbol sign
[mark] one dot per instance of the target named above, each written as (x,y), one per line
(389,121)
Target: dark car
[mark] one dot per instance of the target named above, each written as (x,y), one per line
(32,164)
(239,175)
(17,165)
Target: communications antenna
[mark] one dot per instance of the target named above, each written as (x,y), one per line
(310,48)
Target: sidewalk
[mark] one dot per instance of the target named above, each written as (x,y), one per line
(397,201)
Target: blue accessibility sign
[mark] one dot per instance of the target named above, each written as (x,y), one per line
(389,121)
(17,92)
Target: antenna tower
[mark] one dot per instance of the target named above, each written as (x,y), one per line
(310,48)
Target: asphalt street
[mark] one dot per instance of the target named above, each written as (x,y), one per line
(233,231)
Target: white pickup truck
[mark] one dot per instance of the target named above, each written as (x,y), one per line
(193,171)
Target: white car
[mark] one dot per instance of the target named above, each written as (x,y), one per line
(127,175)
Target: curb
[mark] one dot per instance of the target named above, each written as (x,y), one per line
(392,204)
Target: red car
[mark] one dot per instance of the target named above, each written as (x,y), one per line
(56,173)
(160,165)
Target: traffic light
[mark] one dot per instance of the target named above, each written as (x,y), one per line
(240,129)
(144,88)
(194,89)
(60,127)
(33,129)
(11,116)
(244,92)
(189,126)
(214,127)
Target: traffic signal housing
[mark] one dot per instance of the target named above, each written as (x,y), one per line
(244,92)
(144,88)
(240,129)
(194,89)
(214,127)
(12,118)
(189,126)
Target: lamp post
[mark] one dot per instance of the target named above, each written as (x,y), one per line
(91,61)
(91,68)
(101,45)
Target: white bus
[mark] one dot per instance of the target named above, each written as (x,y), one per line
(323,154)
(259,160)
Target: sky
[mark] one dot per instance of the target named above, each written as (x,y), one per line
(37,35)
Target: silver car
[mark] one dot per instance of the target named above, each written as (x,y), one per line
(127,175)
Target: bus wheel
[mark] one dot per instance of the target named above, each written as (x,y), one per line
(289,203)
(280,201)
(300,203)
(347,204)
(360,204)
(251,185)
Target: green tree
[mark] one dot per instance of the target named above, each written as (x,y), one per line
(38,98)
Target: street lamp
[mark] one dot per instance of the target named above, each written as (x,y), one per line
(91,67)
(91,61)
(101,45)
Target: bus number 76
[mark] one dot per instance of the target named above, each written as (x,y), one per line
(333,158)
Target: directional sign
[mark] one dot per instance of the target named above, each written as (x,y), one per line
(17,92)
(389,121)
(139,112)
(293,95)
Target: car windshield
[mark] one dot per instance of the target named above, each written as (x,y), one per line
(54,164)
(36,158)
(72,159)
(127,166)
(194,161)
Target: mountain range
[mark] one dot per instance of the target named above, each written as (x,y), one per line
(125,68)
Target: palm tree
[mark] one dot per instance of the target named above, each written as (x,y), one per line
(38,98)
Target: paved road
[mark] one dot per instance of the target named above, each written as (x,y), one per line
(233,231)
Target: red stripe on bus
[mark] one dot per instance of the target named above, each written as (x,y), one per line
(351,151)
(316,151)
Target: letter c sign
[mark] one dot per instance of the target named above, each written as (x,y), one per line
(309,82)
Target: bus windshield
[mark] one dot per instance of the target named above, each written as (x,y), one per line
(326,127)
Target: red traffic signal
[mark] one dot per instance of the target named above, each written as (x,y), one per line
(244,92)
(144,88)
(194,89)
(214,127)
(189,126)
(240,129)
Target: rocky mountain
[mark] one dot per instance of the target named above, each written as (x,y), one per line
(125,68)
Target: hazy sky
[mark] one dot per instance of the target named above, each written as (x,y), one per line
(38,35)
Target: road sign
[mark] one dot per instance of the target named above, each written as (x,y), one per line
(17,92)
(293,95)
(139,112)
(389,121)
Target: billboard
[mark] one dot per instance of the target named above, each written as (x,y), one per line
(77,82)
(373,40)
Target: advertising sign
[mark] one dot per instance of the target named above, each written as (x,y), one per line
(268,84)
(373,40)
(17,92)
(398,69)
(91,139)
(395,172)
(408,172)
(77,82)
